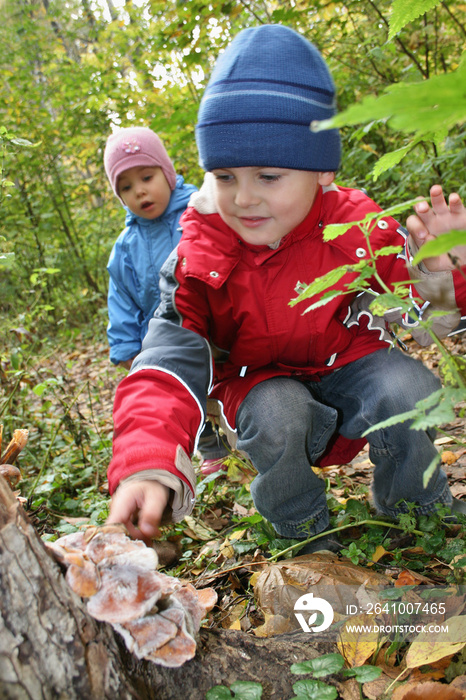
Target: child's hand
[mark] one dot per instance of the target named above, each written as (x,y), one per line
(139,505)
(126,363)
(429,222)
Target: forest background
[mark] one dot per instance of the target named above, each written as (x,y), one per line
(70,73)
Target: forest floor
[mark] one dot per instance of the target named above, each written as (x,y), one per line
(225,543)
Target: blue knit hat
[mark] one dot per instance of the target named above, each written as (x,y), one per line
(265,90)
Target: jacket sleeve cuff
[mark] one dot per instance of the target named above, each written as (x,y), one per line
(436,287)
(124,351)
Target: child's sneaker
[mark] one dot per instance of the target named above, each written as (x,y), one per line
(210,466)
(329,543)
(458,506)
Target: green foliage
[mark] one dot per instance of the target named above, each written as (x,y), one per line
(314,690)
(439,245)
(404,12)
(242,690)
(324,666)
(148,64)
(425,108)
(321,666)
(436,409)
(363,674)
(354,554)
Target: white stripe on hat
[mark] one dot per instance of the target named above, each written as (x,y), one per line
(270,93)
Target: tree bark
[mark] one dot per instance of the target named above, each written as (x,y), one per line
(51,648)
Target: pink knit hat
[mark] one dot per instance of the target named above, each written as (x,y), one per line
(133,146)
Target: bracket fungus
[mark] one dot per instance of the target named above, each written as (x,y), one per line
(9,472)
(157,615)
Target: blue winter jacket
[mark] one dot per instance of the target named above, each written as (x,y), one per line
(134,267)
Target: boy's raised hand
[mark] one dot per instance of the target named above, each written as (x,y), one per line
(430,222)
(139,505)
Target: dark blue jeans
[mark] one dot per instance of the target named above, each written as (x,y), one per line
(284,425)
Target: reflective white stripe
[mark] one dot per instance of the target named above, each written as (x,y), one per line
(175,376)
(243,371)
(330,362)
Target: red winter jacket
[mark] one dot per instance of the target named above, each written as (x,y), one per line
(225,299)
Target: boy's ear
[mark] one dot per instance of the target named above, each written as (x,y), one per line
(326,179)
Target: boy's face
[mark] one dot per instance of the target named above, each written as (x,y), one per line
(263,204)
(145,191)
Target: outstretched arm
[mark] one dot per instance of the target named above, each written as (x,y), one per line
(431,221)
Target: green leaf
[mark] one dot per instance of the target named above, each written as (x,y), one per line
(43,386)
(398,208)
(22,142)
(433,104)
(388,250)
(441,244)
(334,230)
(389,160)
(385,302)
(321,284)
(430,471)
(434,410)
(321,666)
(218,692)
(325,299)
(363,674)
(314,690)
(246,690)
(404,11)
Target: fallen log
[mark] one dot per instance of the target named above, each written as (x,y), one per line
(50,647)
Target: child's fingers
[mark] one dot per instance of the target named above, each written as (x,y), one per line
(456,205)
(439,204)
(121,509)
(417,229)
(150,515)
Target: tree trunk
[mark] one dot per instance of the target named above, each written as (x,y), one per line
(51,648)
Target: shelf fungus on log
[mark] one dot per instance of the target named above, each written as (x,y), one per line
(7,469)
(14,447)
(11,474)
(157,615)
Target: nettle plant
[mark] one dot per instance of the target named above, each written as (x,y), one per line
(425,112)
(439,407)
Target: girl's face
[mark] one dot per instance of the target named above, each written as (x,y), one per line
(145,191)
(263,204)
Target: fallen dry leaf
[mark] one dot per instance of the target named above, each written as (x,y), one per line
(349,690)
(430,646)
(358,645)
(338,581)
(380,552)
(375,689)
(429,691)
(435,671)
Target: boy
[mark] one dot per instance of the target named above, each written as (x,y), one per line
(295,389)
(143,178)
